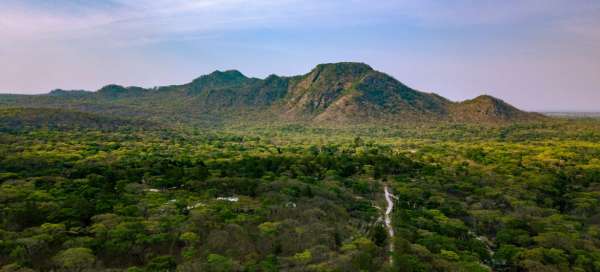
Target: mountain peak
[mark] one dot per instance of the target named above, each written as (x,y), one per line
(486,108)
(350,91)
(322,86)
(489,101)
(218,79)
(346,64)
(486,97)
(221,77)
(335,75)
(228,73)
(343,68)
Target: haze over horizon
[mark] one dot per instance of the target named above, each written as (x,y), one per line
(537,55)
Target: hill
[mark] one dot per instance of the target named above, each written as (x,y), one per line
(486,108)
(339,93)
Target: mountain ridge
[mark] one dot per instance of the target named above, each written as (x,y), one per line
(345,92)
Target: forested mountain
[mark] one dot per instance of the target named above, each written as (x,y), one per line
(330,93)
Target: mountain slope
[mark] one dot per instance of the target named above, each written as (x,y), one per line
(330,93)
(356,92)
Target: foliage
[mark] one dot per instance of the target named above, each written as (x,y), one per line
(294,198)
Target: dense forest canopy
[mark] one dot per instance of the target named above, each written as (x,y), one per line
(82,193)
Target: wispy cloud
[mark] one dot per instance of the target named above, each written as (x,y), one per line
(491,12)
(137,20)
(428,43)
(152,20)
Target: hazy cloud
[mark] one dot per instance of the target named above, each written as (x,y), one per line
(456,48)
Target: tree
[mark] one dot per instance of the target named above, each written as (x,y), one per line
(161,263)
(75,259)
(219,263)
(379,235)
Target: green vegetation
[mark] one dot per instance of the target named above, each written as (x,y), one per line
(128,196)
(229,173)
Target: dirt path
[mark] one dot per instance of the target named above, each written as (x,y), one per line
(388,219)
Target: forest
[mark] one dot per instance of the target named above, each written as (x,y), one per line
(290,197)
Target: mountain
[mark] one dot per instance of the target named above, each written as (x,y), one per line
(351,92)
(486,108)
(339,93)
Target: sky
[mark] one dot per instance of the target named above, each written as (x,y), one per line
(539,55)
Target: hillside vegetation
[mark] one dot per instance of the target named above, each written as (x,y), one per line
(19,119)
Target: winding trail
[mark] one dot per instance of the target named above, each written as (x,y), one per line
(388,218)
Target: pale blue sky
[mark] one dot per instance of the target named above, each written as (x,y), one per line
(535,54)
